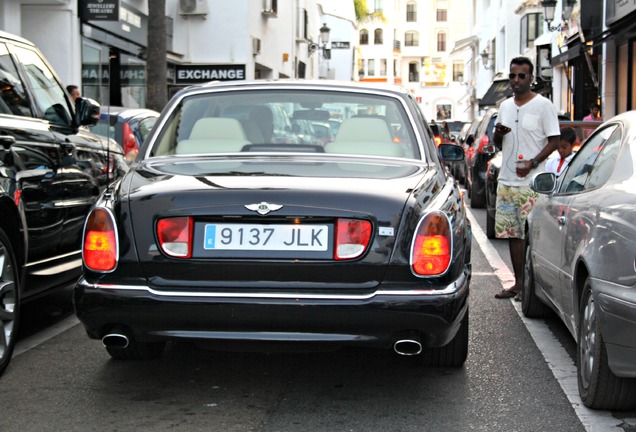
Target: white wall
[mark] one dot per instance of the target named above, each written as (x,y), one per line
(54,29)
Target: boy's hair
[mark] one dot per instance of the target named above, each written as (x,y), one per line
(520,61)
(568,134)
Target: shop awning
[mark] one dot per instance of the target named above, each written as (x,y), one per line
(544,39)
(571,53)
(463,44)
(497,93)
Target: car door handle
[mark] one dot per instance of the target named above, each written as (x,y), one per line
(7,141)
(561,220)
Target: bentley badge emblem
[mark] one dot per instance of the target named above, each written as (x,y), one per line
(263,208)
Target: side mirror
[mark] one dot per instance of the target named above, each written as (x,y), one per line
(86,112)
(470,140)
(451,152)
(544,183)
(489,149)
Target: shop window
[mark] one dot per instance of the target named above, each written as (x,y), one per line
(383,66)
(458,71)
(414,72)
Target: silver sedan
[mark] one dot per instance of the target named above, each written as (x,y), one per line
(580,260)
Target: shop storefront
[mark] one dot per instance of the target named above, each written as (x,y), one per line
(114,41)
(621,24)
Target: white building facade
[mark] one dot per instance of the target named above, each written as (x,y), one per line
(103,49)
(409,42)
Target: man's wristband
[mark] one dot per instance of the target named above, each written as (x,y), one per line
(535,163)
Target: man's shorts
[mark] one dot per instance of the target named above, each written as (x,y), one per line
(514,203)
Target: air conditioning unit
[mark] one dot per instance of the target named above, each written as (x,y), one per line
(193,7)
(256,46)
(270,7)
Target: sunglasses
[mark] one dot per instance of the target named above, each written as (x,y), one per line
(521,76)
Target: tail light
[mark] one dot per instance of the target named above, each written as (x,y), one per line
(130,145)
(432,245)
(352,238)
(438,140)
(175,236)
(483,142)
(100,248)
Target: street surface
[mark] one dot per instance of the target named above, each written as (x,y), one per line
(61,380)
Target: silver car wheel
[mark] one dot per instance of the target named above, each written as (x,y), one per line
(8,302)
(587,344)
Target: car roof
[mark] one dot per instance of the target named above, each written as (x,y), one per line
(5,35)
(126,112)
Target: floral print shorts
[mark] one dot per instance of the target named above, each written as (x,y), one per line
(514,203)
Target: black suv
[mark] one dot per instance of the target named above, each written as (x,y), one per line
(52,170)
(478,163)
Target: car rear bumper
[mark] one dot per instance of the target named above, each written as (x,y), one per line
(617,314)
(376,319)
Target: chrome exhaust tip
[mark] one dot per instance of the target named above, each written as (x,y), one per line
(115,340)
(408,346)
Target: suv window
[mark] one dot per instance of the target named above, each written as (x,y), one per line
(49,95)
(13,98)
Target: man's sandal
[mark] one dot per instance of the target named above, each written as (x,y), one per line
(506,293)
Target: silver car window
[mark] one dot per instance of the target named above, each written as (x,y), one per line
(575,178)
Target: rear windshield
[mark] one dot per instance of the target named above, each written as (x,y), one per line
(310,121)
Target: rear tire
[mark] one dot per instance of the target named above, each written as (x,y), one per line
(476,200)
(137,350)
(9,301)
(453,354)
(599,388)
(531,305)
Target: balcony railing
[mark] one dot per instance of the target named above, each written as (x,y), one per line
(397,45)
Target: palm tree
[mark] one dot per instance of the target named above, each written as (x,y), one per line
(156,64)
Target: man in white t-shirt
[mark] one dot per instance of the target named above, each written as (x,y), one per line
(527,132)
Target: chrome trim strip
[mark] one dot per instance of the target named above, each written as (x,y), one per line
(451,289)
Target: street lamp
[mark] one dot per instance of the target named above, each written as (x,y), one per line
(548,13)
(567,9)
(486,60)
(324,40)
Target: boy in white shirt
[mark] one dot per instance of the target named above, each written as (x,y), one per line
(557,165)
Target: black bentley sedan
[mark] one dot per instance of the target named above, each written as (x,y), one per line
(223,231)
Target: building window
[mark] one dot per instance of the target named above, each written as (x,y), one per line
(364,37)
(444,111)
(442,15)
(458,71)
(411,38)
(377,37)
(371,67)
(414,72)
(383,67)
(411,12)
(441,41)
(531,28)
(378,6)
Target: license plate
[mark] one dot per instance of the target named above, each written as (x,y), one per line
(287,237)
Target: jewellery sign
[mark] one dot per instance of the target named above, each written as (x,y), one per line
(99,10)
